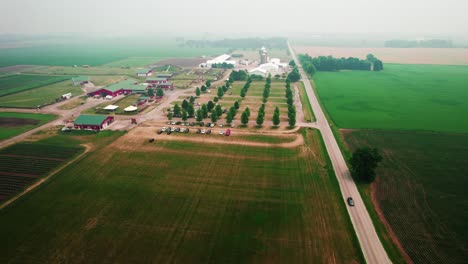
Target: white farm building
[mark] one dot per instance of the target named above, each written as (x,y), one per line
(218,60)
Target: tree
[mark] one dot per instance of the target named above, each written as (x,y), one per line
(229,118)
(220,92)
(197,92)
(176,110)
(214,117)
(292,120)
(276,117)
(199,115)
(219,110)
(289,100)
(378,65)
(216,99)
(248,111)
(185,104)
(204,110)
(371,58)
(294,75)
(210,106)
(192,100)
(150,92)
(190,111)
(236,105)
(159,92)
(184,115)
(169,116)
(292,63)
(245,117)
(364,162)
(260,118)
(242,93)
(288,82)
(208,83)
(203,88)
(232,111)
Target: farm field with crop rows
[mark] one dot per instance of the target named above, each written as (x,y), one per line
(178,201)
(23,163)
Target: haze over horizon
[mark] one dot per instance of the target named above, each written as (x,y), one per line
(418,17)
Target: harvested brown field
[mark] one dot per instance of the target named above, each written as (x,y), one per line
(15,122)
(444,56)
(182,62)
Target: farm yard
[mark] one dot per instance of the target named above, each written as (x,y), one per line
(420,190)
(39,96)
(121,103)
(12,124)
(16,83)
(23,163)
(441,56)
(408,97)
(228,203)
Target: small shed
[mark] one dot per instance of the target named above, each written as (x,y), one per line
(79,80)
(131,109)
(144,72)
(111,107)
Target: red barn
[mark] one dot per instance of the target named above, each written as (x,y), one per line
(93,122)
(114,89)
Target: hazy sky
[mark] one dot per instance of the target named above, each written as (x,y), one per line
(424,17)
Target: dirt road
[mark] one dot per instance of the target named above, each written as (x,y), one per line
(370,243)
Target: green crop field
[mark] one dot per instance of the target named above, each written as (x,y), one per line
(39,96)
(421,189)
(99,52)
(409,97)
(173,201)
(12,124)
(16,83)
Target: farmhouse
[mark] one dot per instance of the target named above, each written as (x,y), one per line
(93,122)
(115,89)
(144,72)
(79,80)
(168,85)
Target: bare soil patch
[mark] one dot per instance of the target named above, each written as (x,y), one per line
(394,55)
(17,122)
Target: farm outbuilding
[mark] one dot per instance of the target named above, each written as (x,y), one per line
(93,122)
(168,85)
(164,75)
(79,80)
(144,72)
(157,80)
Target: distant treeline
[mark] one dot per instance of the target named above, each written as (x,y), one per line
(430,43)
(223,65)
(330,63)
(243,43)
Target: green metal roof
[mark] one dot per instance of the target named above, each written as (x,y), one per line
(167,83)
(156,79)
(143,71)
(94,120)
(80,78)
(136,87)
(120,85)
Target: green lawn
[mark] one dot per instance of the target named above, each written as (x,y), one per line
(409,97)
(421,189)
(16,83)
(9,130)
(39,96)
(183,202)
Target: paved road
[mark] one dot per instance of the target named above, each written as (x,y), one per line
(370,243)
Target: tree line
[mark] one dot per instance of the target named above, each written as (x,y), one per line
(290,102)
(329,63)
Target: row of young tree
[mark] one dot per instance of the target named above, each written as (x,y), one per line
(329,63)
(266,89)
(246,87)
(290,102)
(159,92)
